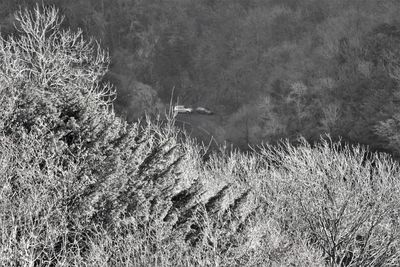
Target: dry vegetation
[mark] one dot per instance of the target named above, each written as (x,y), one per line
(80,187)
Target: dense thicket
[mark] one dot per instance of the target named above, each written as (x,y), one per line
(269,69)
(81,187)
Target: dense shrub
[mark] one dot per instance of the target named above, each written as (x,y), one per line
(64,149)
(341,199)
(81,187)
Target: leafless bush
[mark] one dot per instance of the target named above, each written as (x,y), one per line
(341,199)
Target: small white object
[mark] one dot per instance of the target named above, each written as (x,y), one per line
(182,109)
(205,111)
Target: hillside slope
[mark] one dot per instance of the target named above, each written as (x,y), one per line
(81,187)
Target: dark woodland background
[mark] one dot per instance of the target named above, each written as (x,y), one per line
(269,69)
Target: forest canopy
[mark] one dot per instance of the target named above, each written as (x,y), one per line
(268,69)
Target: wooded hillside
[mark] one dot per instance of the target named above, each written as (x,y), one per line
(79,186)
(269,69)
